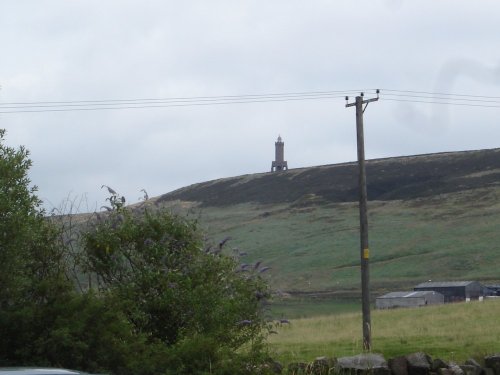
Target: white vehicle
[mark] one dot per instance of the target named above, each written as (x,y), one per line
(38,371)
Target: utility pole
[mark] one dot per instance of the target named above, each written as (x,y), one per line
(363,218)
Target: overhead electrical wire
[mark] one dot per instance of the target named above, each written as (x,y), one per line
(156,105)
(410,96)
(223,97)
(440,98)
(443,103)
(443,98)
(93,105)
(438,93)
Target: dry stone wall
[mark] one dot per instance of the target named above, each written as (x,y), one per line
(376,364)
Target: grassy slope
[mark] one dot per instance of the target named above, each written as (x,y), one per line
(430,217)
(316,247)
(453,332)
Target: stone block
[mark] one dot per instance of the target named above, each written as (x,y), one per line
(398,366)
(456,369)
(493,362)
(472,362)
(444,371)
(321,366)
(297,368)
(438,363)
(471,369)
(361,364)
(419,364)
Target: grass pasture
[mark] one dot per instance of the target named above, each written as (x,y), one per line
(453,332)
(316,248)
(432,216)
(306,307)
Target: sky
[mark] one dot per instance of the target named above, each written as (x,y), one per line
(69,51)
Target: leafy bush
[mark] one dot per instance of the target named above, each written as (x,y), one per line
(156,301)
(26,254)
(153,264)
(76,331)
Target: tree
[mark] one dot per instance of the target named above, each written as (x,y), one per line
(26,252)
(174,289)
(32,271)
(43,320)
(160,301)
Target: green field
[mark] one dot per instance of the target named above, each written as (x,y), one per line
(315,247)
(453,332)
(304,307)
(430,217)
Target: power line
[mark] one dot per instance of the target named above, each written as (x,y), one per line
(439,93)
(162,101)
(194,98)
(409,96)
(441,98)
(138,105)
(434,97)
(114,104)
(440,103)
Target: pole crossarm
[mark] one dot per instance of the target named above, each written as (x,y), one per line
(366,101)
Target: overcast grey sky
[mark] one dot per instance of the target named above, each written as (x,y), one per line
(123,49)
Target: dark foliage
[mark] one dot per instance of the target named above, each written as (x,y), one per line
(154,267)
(155,301)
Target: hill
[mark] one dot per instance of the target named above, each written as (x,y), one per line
(432,216)
(388,179)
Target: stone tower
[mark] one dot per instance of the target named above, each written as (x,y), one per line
(279,164)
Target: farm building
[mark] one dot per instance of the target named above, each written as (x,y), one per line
(454,291)
(408,299)
(492,290)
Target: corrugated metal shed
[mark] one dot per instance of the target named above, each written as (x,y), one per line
(408,299)
(406,294)
(454,291)
(444,284)
(492,290)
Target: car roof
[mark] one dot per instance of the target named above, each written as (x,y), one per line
(37,371)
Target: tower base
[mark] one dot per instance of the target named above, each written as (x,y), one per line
(279,166)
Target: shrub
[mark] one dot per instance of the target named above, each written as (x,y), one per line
(154,266)
(157,300)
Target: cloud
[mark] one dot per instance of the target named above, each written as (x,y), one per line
(60,50)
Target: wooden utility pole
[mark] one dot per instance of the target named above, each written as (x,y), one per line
(363,219)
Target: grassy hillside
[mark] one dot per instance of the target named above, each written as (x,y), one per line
(430,217)
(433,330)
(316,247)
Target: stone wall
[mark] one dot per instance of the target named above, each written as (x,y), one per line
(376,364)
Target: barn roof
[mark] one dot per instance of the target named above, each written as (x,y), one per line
(444,284)
(493,286)
(412,294)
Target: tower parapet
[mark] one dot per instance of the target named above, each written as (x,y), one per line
(279,164)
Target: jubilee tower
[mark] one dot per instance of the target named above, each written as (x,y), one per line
(279,164)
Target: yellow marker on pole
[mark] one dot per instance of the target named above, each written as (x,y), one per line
(366,253)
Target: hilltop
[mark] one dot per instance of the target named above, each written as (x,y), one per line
(433,216)
(400,178)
